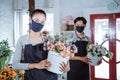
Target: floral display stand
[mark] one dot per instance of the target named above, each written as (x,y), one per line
(56,60)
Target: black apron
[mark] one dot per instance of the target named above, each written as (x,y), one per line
(34,54)
(78,69)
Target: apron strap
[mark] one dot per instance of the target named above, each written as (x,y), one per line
(23,46)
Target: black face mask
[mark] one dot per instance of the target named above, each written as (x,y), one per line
(80,28)
(36,27)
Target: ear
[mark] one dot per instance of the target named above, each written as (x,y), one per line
(30,19)
(74,26)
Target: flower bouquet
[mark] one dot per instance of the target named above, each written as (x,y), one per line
(7,74)
(58,51)
(96,52)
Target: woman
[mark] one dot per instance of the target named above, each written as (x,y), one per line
(35,63)
(79,68)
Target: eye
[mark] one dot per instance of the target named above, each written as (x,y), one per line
(42,23)
(37,20)
(77,25)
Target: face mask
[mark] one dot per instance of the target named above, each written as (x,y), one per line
(80,28)
(36,27)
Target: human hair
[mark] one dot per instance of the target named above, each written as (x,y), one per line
(38,11)
(80,19)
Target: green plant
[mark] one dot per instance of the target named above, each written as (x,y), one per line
(5,51)
(99,50)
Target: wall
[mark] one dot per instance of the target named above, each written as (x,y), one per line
(6,20)
(84,8)
(76,8)
(70,8)
(51,6)
(20,4)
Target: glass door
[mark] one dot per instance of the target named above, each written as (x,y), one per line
(105,31)
(118,45)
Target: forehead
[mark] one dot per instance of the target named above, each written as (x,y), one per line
(39,16)
(79,22)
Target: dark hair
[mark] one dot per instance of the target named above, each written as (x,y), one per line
(38,11)
(80,19)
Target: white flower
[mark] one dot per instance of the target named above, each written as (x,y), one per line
(99,50)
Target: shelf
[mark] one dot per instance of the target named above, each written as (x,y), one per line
(68,34)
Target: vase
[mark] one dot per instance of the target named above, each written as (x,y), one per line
(2,62)
(93,59)
(56,59)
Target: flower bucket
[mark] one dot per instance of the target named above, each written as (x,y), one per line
(93,59)
(55,59)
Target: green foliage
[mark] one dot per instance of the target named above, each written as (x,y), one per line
(57,48)
(4,52)
(62,38)
(99,50)
(4,48)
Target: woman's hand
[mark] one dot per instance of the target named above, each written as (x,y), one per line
(64,67)
(44,64)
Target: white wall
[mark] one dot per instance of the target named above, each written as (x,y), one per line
(70,7)
(6,20)
(52,7)
(20,4)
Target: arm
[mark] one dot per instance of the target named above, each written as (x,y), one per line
(17,56)
(83,59)
(26,66)
(44,64)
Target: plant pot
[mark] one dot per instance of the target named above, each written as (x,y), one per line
(93,59)
(55,60)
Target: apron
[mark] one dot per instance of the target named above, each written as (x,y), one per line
(78,69)
(34,54)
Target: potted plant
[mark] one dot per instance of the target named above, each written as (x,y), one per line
(96,52)
(58,51)
(5,51)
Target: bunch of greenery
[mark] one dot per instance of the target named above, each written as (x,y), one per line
(5,51)
(99,50)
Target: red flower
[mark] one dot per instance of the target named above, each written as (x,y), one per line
(45,32)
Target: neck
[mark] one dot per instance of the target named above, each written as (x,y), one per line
(80,34)
(34,34)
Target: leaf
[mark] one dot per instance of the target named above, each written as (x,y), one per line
(5,51)
(57,48)
(9,78)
